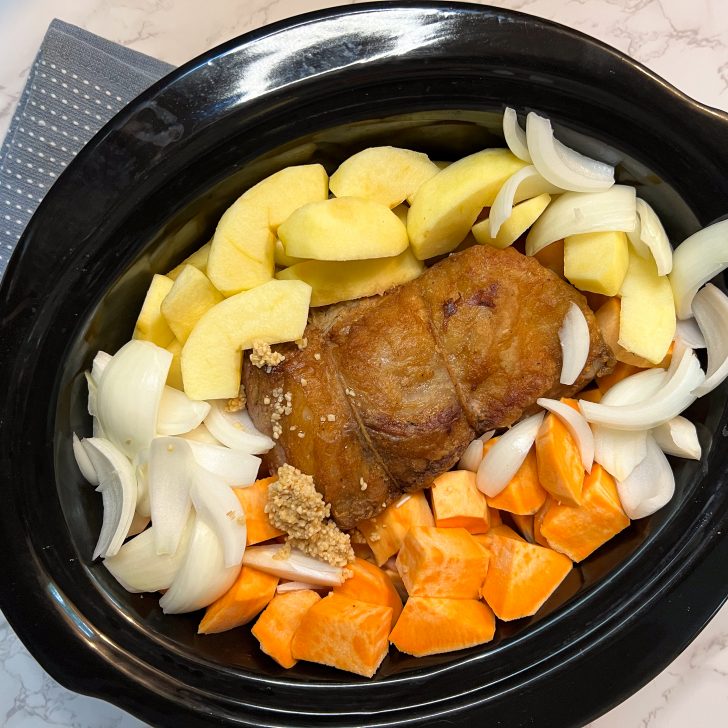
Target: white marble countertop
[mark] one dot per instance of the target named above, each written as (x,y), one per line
(685,42)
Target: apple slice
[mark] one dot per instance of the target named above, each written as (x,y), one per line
(151,325)
(197,259)
(521,218)
(446,206)
(271,313)
(597,262)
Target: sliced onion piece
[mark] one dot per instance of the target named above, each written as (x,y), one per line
(98,365)
(171,469)
(668,402)
(514,135)
(201,434)
(138,567)
(502,461)
(236,429)
(141,468)
(689,331)
(129,393)
(653,235)
(296,567)
(138,524)
(695,261)
(678,437)
(178,413)
(118,488)
(649,486)
(289,586)
(522,185)
(233,466)
(576,425)
(471,458)
(91,403)
(574,212)
(202,577)
(634,238)
(84,461)
(710,307)
(561,165)
(216,504)
(575,341)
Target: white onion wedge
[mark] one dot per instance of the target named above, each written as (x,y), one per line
(138,567)
(577,427)
(171,469)
(296,567)
(710,307)
(575,341)
(202,577)
(471,458)
(653,236)
(201,434)
(649,486)
(236,429)
(138,524)
(178,413)
(84,462)
(289,586)
(514,135)
(562,166)
(233,466)
(141,468)
(678,437)
(402,500)
(98,365)
(689,331)
(574,212)
(668,402)
(502,461)
(129,393)
(522,185)
(118,486)
(695,261)
(216,504)
(93,388)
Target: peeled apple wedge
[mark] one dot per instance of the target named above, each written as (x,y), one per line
(283,260)
(647,314)
(384,174)
(596,262)
(198,259)
(151,325)
(343,228)
(334,281)
(211,358)
(243,247)
(521,218)
(446,206)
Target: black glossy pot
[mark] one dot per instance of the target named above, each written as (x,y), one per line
(149,188)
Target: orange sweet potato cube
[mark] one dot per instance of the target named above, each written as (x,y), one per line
(385,533)
(524,494)
(552,257)
(457,502)
(591,395)
(577,532)
(442,562)
(524,524)
(560,470)
(432,625)
(621,371)
(538,520)
(344,633)
(495,517)
(279,621)
(253,499)
(521,576)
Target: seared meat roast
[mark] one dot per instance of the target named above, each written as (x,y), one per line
(390,390)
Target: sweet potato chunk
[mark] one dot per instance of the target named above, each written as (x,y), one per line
(344,633)
(521,576)
(457,502)
(251,591)
(430,625)
(372,585)
(560,470)
(524,524)
(538,517)
(621,371)
(524,494)
(442,562)
(280,620)
(577,532)
(385,533)
(253,499)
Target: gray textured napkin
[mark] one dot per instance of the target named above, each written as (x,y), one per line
(77,82)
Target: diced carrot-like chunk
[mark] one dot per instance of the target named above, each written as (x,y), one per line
(385,533)
(431,625)
(521,576)
(560,470)
(280,620)
(524,524)
(442,562)
(500,530)
(577,532)
(591,395)
(253,499)
(457,502)
(370,584)
(344,633)
(621,371)
(552,257)
(251,591)
(524,494)
(538,517)
(495,517)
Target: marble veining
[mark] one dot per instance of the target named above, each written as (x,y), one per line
(685,42)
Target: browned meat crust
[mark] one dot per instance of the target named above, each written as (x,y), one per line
(390,390)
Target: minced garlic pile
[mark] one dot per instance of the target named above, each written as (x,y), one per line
(263,356)
(296,507)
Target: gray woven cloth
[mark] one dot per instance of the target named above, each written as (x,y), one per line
(77,82)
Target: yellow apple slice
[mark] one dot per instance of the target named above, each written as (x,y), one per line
(521,218)
(597,262)
(343,228)
(384,174)
(447,205)
(334,281)
(190,297)
(197,259)
(283,260)
(151,325)
(271,313)
(174,376)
